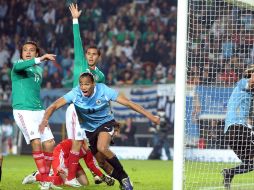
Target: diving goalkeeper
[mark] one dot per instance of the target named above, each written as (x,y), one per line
(238,131)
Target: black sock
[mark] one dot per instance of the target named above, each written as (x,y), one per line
(244,167)
(118,171)
(115,175)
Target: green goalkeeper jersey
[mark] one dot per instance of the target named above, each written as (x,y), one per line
(80,62)
(26,77)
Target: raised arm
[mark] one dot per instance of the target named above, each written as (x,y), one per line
(24,64)
(80,62)
(121,99)
(49,111)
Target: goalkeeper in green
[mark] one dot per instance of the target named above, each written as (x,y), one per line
(26,77)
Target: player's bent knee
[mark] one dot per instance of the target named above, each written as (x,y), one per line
(36,142)
(49,143)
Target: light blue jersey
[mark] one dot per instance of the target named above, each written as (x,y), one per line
(95,110)
(239,103)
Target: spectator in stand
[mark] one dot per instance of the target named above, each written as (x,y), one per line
(127,49)
(7,135)
(115,49)
(171,74)
(111,79)
(3,11)
(149,27)
(159,78)
(126,78)
(122,61)
(128,131)
(46,78)
(147,54)
(68,79)
(5,75)
(56,80)
(4,54)
(67,61)
(50,15)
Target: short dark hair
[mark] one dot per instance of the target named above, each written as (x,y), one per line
(87,74)
(94,47)
(38,51)
(249,71)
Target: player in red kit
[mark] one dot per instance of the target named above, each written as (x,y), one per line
(60,166)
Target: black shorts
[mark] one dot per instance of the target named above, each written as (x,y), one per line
(240,139)
(93,136)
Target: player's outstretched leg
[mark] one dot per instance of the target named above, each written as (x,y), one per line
(31,178)
(227,178)
(73,183)
(48,186)
(126,184)
(45,185)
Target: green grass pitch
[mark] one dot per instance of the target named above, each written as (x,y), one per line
(207,176)
(145,174)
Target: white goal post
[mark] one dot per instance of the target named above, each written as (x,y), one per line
(215,44)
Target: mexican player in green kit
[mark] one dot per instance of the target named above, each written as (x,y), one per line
(26,76)
(83,62)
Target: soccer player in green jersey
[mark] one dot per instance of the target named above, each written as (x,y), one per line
(83,62)
(28,111)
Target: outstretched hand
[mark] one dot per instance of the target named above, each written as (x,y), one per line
(43,125)
(156,120)
(47,57)
(116,129)
(75,13)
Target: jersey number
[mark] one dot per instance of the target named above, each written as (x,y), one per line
(36,77)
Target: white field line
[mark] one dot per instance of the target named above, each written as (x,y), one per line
(236,186)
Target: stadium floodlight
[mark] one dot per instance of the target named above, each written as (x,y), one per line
(215,44)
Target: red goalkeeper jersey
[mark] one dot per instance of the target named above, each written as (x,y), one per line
(64,148)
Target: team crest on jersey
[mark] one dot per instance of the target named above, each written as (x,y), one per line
(98,102)
(79,134)
(32,133)
(96,77)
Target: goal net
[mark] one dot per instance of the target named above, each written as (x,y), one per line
(220,46)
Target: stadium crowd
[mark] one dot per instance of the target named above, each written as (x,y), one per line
(137,39)
(220,48)
(220,43)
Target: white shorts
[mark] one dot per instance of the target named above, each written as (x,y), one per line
(74,131)
(28,122)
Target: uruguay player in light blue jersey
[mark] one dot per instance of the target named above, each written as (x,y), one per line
(238,131)
(238,106)
(92,105)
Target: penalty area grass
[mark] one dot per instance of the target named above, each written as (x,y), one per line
(145,174)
